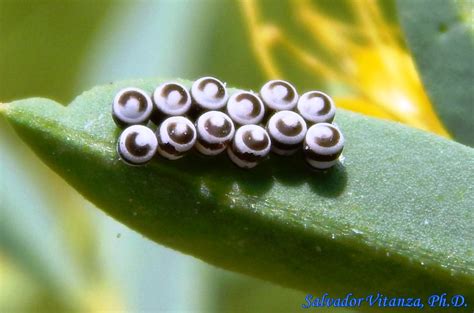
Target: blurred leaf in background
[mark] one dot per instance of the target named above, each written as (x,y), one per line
(353,49)
(62,252)
(356,50)
(442,42)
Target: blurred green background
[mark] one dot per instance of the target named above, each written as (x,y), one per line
(57,250)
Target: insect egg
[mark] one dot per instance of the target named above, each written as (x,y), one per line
(176,135)
(137,145)
(323,145)
(279,95)
(316,107)
(287,130)
(131,106)
(215,130)
(245,108)
(209,93)
(250,145)
(170,99)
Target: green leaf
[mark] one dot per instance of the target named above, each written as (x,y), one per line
(396,218)
(440,36)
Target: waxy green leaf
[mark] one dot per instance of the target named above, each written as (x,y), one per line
(441,38)
(395,218)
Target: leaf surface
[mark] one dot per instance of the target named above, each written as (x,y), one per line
(395,218)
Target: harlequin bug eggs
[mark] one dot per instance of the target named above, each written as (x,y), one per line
(131,106)
(170,99)
(323,145)
(279,95)
(176,135)
(209,93)
(287,130)
(137,145)
(316,107)
(250,145)
(245,108)
(215,130)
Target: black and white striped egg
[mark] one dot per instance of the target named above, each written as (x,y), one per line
(176,135)
(170,99)
(250,145)
(287,130)
(209,94)
(131,106)
(316,107)
(137,145)
(215,130)
(245,108)
(323,145)
(279,95)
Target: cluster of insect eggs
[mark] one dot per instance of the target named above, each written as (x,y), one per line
(246,124)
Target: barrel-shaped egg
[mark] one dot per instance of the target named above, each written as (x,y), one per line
(176,135)
(316,107)
(131,106)
(170,99)
(215,130)
(250,145)
(245,108)
(287,130)
(137,145)
(209,94)
(323,144)
(279,95)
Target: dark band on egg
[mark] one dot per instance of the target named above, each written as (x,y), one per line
(256,109)
(245,156)
(220,88)
(310,154)
(167,89)
(290,96)
(250,142)
(329,141)
(284,146)
(288,130)
(211,146)
(327,103)
(168,148)
(133,148)
(218,131)
(183,138)
(133,94)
